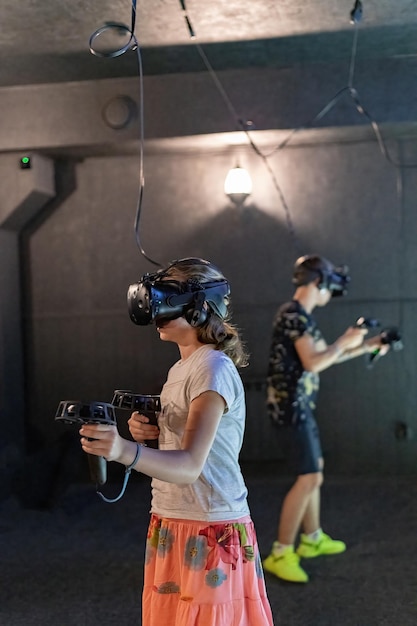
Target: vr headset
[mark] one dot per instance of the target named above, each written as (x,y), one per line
(155,298)
(309,268)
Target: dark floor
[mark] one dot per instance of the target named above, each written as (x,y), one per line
(79,562)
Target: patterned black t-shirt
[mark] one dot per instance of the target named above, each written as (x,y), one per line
(292,391)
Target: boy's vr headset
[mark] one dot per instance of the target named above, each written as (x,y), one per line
(156,298)
(309,268)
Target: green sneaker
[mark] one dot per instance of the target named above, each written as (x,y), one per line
(286,566)
(325,545)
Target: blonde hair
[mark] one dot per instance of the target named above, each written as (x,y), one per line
(215,330)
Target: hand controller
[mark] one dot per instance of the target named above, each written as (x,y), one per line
(76,412)
(388,336)
(148,405)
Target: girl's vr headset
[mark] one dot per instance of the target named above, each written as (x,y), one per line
(154,298)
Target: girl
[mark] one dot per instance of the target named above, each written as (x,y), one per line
(202,564)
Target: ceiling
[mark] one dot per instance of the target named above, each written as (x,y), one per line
(48,41)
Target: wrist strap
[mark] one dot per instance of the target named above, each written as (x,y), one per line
(136,459)
(126,477)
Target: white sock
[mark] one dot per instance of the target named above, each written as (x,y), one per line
(316,535)
(278,548)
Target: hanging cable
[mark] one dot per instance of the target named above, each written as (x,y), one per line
(355,17)
(353,57)
(120,29)
(240,124)
(132,44)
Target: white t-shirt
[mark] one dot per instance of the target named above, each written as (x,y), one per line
(220,492)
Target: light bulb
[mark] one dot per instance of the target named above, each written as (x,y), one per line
(238,185)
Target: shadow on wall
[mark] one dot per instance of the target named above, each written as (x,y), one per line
(255,251)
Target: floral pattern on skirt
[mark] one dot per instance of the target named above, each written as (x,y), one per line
(203,574)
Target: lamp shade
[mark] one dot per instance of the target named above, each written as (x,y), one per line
(238,185)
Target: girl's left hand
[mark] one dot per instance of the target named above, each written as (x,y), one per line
(140,429)
(101,440)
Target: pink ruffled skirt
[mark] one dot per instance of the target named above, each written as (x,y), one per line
(203,574)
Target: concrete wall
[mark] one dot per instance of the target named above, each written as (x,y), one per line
(346,201)
(345,204)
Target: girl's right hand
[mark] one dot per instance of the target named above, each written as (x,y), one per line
(140,429)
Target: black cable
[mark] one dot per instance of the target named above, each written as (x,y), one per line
(141,162)
(241,125)
(120,27)
(132,44)
(355,17)
(309,124)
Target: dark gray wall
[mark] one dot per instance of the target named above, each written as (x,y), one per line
(11,361)
(346,202)
(23,194)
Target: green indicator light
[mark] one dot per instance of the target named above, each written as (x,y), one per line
(25,163)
